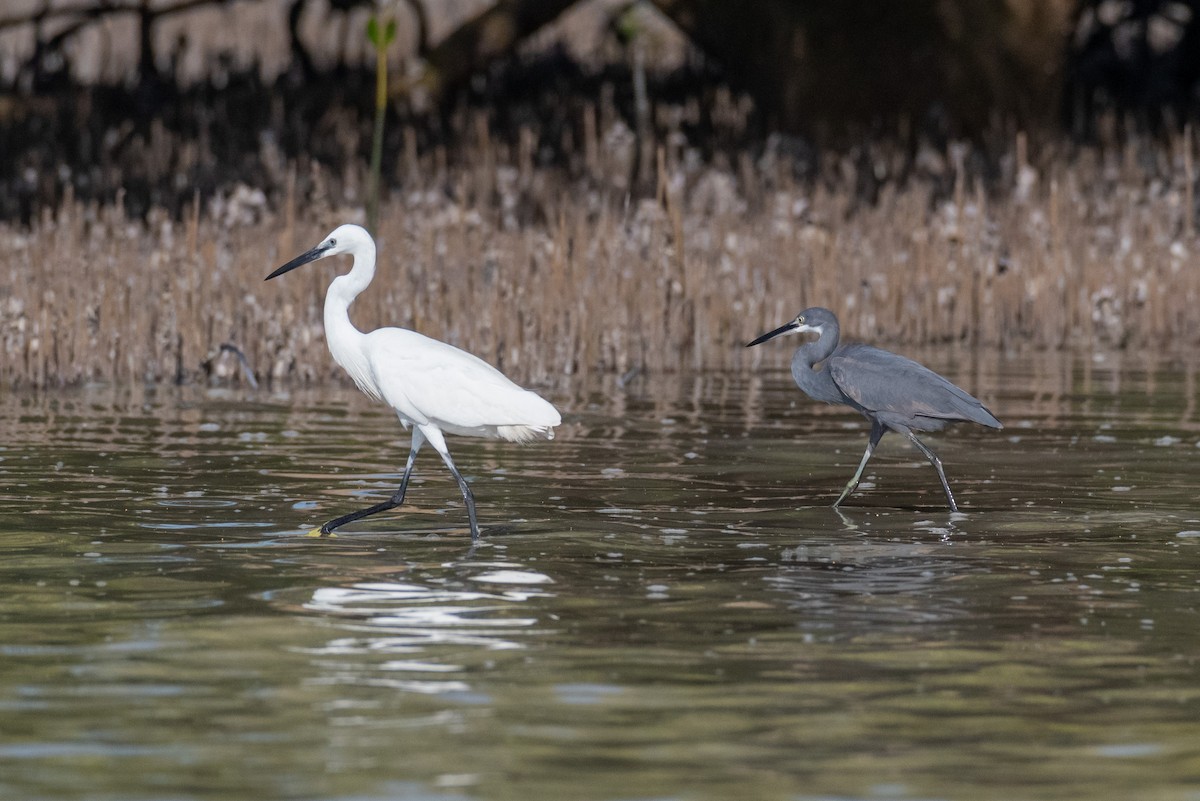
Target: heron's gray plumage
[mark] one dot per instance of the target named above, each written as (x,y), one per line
(885,383)
(893,392)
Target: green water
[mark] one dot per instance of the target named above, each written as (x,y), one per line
(663,605)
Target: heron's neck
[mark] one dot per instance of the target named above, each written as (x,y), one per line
(816,382)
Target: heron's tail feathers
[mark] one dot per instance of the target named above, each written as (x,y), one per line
(972,410)
(985,417)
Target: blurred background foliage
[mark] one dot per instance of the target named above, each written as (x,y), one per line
(608,185)
(154,103)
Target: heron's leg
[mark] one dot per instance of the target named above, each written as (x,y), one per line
(877,432)
(937,465)
(418,439)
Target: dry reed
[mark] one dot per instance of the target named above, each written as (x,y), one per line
(550,276)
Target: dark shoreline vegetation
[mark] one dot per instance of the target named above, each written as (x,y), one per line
(154,146)
(548,225)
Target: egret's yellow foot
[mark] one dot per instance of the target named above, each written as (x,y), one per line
(316,532)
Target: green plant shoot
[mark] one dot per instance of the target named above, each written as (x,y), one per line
(380,39)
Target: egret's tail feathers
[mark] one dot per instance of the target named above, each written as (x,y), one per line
(525,433)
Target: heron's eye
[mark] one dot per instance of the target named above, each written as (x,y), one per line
(800,319)
(332,243)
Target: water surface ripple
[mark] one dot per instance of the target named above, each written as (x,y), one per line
(663,605)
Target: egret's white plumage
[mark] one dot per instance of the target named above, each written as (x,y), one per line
(433,387)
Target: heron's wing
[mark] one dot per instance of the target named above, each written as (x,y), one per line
(884,382)
(428,381)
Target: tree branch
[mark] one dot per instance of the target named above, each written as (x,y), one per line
(493,33)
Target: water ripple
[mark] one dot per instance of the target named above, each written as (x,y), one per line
(448,627)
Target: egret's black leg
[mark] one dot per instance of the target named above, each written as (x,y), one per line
(937,465)
(468,496)
(338,522)
(877,432)
(391,503)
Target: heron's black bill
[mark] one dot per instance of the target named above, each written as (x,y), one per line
(783,329)
(299,261)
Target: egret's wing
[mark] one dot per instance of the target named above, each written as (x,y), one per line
(428,381)
(882,381)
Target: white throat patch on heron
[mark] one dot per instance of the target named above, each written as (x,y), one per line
(804,328)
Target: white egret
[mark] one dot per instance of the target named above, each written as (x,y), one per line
(433,387)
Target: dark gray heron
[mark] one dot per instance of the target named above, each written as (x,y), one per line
(893,392)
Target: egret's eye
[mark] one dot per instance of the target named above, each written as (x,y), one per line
(333,243)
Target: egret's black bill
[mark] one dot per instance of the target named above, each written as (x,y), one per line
(299,261)
(783,329)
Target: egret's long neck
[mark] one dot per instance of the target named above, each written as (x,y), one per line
(817,384)
(345,341)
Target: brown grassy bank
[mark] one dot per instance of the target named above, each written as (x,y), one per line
(549,277)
